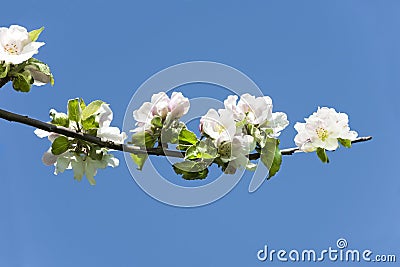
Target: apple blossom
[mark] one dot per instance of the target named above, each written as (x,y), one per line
(168,109)
(219,126)
(16,46)
(83,157)
(80,164)
(105,132)
(236,152)
(178,106)
(257,111)
(233,146)
(323,129)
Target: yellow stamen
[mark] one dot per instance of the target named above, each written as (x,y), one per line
(11,49)
(322,133)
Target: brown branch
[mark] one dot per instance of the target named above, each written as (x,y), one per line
(159,151)
(4,81)
(12,117)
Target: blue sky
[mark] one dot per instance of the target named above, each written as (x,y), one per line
(304,54)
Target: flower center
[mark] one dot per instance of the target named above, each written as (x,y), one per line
(322,133)
(11,49)
(220,128)
(225,149)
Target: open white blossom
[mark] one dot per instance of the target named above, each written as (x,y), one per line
(232,145)
(322,130)
(236,152)
(220,127)
(168,109)
(257,111)
(105,131)
(16,46)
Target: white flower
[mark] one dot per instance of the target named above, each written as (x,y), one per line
(276,123)
(104,115)
(160,103)
(81,165)
(87,166)
(168,109)
(178,106)
(220,127)
(322,130)
(232,145)
(112,134)
(257,111)
(143,117)
(16,46)
(236,151)
(105,132)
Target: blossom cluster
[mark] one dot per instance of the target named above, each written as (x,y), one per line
(83,157)
(17,48)
(228,135)
(240,127)
(324,130)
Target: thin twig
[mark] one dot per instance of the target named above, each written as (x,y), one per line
(158,151)
(291,151)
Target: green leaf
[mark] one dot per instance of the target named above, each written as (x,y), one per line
(82,103)
(259,136)
(74,110)
(139,160)
(157,122)
(183,147)
(4,68)
(34,35)
(170,135)
(271,156)
(60,145)
(90,123)
(345,142)
(321,153)
(39,71)
(60,119)
(39,76)
(192,153)
(205,149)
(91,109)
(143,139)
(22,81)
(191,170)
(95,153)
(187,137)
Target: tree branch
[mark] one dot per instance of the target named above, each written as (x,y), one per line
(291,151)
(159,151)
(4,81)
